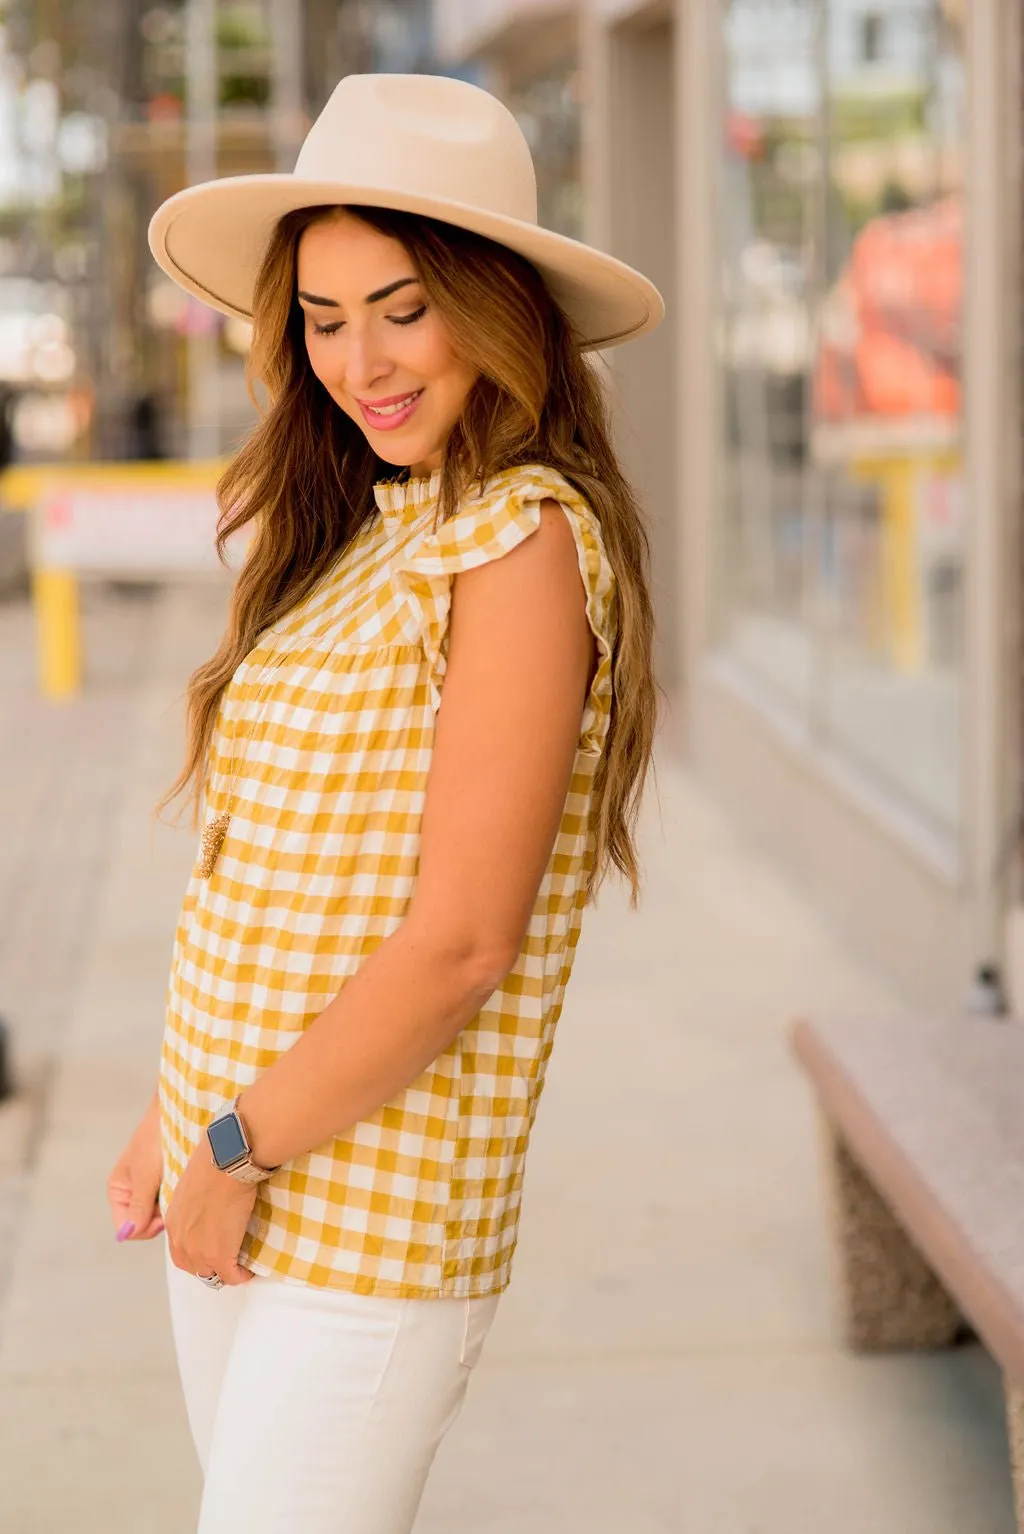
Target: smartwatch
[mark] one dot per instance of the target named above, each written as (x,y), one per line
(229,1145)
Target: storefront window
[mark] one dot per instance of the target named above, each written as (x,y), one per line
(547,108)
(841,555)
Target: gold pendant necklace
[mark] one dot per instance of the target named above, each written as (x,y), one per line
(215,831)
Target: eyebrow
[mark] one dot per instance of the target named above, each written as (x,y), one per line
(371,298)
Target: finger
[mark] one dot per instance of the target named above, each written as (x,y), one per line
(132,1227)
(119,1196)
(141,1212)
(234,1274)
(154,1228)
(132,1221)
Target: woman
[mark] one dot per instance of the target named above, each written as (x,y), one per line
(418,748)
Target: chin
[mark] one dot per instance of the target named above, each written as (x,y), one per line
(404,457)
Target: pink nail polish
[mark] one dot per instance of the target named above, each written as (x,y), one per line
(127,1229)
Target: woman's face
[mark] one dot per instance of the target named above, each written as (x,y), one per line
(379,349)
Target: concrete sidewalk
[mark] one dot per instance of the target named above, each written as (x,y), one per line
(61,792)
(666,1358)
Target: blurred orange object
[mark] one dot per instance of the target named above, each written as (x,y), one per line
(744,135)
(891,328)
(164,108)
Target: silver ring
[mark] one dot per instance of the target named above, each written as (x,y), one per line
(211,1280)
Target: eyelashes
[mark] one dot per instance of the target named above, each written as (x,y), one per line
(394,319)
(409,319)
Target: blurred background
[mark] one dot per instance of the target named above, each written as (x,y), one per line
(825,432)
(796,176)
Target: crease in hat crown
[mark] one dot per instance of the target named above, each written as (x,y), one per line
(443,138)
(426,145)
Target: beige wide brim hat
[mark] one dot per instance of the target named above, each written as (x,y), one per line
(419,144)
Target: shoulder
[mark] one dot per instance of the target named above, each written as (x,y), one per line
(507,511)
(515,502)
(530,484)
(531,498)
(535,512)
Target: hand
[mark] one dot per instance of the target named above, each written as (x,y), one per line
(133,1187)
(207,1217)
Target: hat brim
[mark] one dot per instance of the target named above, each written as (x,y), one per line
(211,240)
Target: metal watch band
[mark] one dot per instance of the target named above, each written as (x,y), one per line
(248,1171)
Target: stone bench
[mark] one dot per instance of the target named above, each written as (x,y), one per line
(925,1133)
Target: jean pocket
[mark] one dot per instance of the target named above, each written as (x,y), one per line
(476,1324)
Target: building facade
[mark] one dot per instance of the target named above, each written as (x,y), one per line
(826,429)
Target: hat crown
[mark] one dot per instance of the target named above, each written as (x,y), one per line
(425,134)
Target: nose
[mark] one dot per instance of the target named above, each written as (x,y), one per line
(365,363)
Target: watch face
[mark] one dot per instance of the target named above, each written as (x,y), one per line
(226,1140)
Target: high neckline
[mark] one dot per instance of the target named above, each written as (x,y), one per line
(402,500)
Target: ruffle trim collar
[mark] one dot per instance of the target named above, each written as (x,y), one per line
(401,500)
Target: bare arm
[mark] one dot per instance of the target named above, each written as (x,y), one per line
(519,658)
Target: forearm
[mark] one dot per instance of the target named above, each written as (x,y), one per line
(401,1009)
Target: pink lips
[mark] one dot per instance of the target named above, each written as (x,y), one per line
(389,422)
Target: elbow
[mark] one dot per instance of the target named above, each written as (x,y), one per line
(483,966)
(489,965)
(480,961)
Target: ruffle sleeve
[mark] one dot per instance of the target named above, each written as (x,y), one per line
(488,526)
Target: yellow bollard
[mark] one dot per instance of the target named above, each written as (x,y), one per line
(901,580)
(901,603)
(900,476)
(29,488)
(58,632)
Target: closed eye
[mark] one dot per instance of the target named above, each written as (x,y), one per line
(408,319)
(395,319)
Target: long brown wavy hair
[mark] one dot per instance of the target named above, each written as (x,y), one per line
(306,472)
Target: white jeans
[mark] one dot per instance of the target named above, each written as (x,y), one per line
(315,1410)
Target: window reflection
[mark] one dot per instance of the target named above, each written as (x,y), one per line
(841,242)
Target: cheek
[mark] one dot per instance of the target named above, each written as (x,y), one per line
(431,355)
(459,380)
(442,363)
(427,352)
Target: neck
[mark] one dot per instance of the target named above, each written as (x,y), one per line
(425,467)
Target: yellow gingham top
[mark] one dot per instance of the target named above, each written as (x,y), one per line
(326,729)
